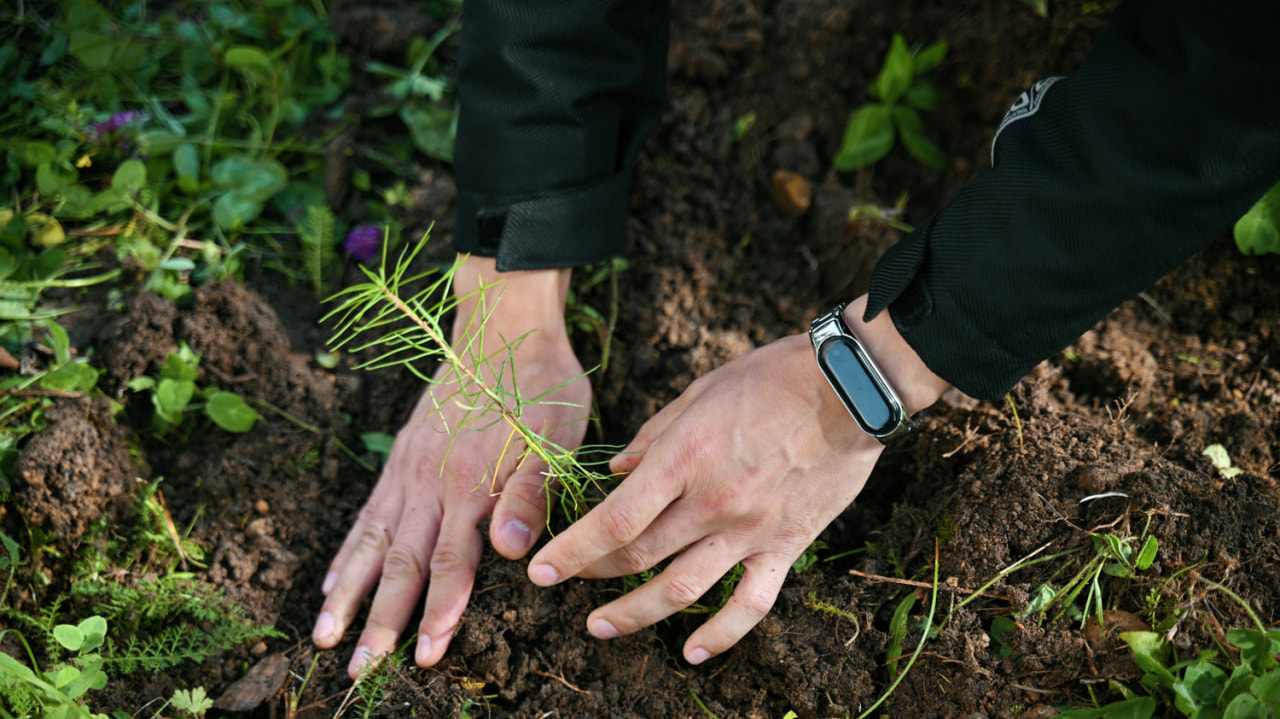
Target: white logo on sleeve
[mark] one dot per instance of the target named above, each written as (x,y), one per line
(1027,104)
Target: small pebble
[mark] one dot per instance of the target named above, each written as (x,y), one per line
(261,506)
(792,192)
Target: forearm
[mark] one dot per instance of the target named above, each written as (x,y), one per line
(1155,146)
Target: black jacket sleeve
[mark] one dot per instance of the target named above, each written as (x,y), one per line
(1101,183)
(556,99)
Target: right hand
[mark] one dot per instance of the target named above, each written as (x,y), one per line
(449,470)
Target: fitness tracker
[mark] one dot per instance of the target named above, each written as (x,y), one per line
(856,379)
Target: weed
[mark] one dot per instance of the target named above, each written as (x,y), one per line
(701,705)
(174,389)
(165,622)
(888,216)
(133,130)
(58,691)
(809,558)
(1113,555)
(418,95)
(12,561)
(902,91)
(1017,421)
(1199,687)
(193,702)
(926,631)
(585,317)
(818,605)
(25,396)
(898,633)
(370,689)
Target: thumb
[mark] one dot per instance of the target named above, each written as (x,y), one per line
(521,511)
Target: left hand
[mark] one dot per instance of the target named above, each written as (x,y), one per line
(748,465)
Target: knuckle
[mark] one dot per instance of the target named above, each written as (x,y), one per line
(682,591)
(403,564)
(469,471)
(756,603)
(633,559)
(449,559)
(529,495)
(621,525)
(374,532)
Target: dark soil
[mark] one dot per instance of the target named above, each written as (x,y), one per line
(717,267)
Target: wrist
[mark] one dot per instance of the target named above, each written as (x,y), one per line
(512,304)
(915,384)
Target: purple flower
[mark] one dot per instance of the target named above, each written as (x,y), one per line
(364,242)
(115,123)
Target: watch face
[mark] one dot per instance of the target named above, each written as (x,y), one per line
(852,380)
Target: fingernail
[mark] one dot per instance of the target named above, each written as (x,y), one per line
(361,657)
(330,579)
(544,575)
(422,654)
(517,535)
(602,629)
(325,624)
(698,655)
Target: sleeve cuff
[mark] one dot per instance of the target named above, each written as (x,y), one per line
(575,227)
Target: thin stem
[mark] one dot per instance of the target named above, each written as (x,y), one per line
(924,637)
(314,430)
(1239,600)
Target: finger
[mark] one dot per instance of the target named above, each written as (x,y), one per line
(372,509)
(453,573)
(521,512)
(679,586)
(361,554)
(672,531)
(613,523)
(382,508)
(405,569)
(751,601)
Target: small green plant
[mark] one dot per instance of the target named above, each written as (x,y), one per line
(420,95)
(192,702)
(809,558)
(1113,555)
(58,692)
(579,315)
(811,601)
(902,92)
(24,397)
(173,390)
(1203,687)
(165,622)
(1258,231)
(370,688)
(898,633)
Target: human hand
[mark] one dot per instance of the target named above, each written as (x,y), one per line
(449,469)
(748,465)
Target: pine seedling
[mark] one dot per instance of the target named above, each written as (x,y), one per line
(401,318)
